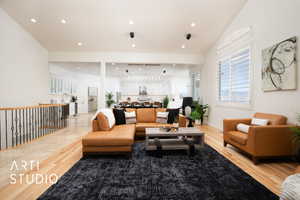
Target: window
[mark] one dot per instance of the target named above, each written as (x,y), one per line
(195,76)
(234,78)
(234,69)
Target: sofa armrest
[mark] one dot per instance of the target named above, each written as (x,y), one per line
(95,126)
(182,121)
(297,170)
(271,140)
(230,124)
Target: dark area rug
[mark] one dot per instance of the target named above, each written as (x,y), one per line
(174,175)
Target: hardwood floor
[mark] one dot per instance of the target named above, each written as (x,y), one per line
(269,174)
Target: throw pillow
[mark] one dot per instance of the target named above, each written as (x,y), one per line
(259,122)
(110,116)
(119,116)
(162,117)
(243,128)
(173,113)
(130,117)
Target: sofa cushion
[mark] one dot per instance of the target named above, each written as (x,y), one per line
(238,137)
(259,122)
(243,127)
(130,117)
(130,109)
(121,135)
(140,127)
(273,119)
(145,115)
(119,116)
(162,117)
(173,113)
(160,110)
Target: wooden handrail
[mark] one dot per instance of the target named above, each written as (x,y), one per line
(31,107)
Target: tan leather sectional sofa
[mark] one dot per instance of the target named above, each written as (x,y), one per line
(121,137)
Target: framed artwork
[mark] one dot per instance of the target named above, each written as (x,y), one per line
(279,66)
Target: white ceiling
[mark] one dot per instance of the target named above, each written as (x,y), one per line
(103,25)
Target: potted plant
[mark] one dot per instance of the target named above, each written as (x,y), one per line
(109,99)
(166,102)
(195,116)
(296,139)
(200,109)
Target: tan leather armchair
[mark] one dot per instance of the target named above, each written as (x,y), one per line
(273,140)
(297,170)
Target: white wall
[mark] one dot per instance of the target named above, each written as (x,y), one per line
(176,83)
(126,57)
(24,75)
(272,21)
(84,81)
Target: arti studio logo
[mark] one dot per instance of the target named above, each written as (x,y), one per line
(29,178)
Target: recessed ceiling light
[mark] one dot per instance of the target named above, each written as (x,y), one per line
(193,24)
(183,46)
(79,44)
(33,20)
(63,21)
(131,22)
(133,45)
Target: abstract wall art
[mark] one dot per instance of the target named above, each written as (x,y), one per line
(279,66)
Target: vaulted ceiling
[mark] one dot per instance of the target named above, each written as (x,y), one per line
(104,25)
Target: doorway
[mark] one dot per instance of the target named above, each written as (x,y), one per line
(92,99)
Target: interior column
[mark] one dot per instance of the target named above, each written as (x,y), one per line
(102,88)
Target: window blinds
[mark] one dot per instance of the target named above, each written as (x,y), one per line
(234,69)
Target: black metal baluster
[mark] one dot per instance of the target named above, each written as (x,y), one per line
(12,128)
(43,122)
(34,123)
(24,132)
(38,121)
(47,120)
(27,125)
(20,126)
(30,124)
(50,119)
(53,118)
(16,121)
(6,125)
(60,117)
(46,131)
(56,118)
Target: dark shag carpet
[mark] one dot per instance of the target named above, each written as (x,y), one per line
(206,176)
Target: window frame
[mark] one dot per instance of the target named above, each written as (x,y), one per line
(231,104)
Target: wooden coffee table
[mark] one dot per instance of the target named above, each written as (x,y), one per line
(183,139)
